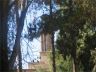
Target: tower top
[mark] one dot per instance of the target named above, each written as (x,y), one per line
(46,42)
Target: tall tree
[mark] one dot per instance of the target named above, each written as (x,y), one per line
(20,23)
(52,38)
(4,5)
(75,17)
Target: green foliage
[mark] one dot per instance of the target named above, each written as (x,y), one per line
(93,57)
(63,65)
(76,33)
(83,34)
(76,21)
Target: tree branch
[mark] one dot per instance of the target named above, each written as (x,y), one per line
(18,36)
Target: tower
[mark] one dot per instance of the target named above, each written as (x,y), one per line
(46,42)
(46,46)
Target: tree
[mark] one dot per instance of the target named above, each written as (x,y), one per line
(20,23)
(3,36)
(71,18)
(74,21)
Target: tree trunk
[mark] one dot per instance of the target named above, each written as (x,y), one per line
(75,62)
(3,36)
(53,53)
(20,58)
(75,69)
(73,53)
(52,38)
(16,48)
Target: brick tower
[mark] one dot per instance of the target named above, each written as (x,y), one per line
(46,42)
(46,46)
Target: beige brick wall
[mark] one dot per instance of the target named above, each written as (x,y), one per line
(43,64)
(46,45)
(46,42)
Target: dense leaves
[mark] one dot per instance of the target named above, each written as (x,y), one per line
(76,22)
